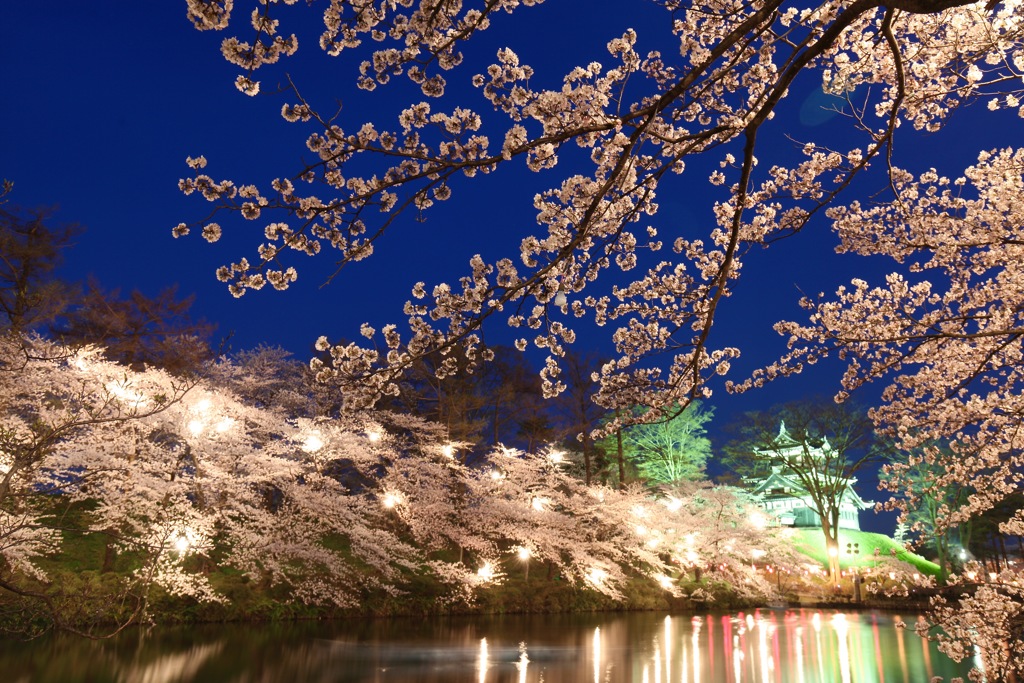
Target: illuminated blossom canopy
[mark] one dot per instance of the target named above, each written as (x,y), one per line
(943,330)
(175,475)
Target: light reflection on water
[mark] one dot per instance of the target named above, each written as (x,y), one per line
(762,646)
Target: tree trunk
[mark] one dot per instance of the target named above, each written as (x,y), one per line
(619,455)
(831,549)
(496,440)
(587,466)
(942,549)
(109,554)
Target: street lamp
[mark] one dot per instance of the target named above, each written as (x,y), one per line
(524,557)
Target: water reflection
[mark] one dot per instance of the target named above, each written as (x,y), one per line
(762,646)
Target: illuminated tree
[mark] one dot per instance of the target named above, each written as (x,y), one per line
(722,533)
(924,505)
(168,471)
(179,475)
(641,117)
(64,430)
(671,450)
(821,446)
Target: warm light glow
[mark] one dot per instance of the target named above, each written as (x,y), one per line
(523,553)
(758,521)
(757,553)
(202,406)
(597,576)
(485,572)
(482,663)
(641,530)
(448,451)
(672,503)
(373,435)
(313,443)
(224,424)
(391,500)
(833,552)
(972,575)
(842,628)
(183,540)
(195,427)
(123,391)
(497,475)
(664,581)
(639,511)
(556,457)
(83,355)
(538,503)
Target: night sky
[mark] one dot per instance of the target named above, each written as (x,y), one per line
(103,101)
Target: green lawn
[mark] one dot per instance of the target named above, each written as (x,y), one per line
(811,542)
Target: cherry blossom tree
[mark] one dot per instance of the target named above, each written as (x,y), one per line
(943,333)
(62,417)
(176,476)
(170,472)
(711,91)
(943,329)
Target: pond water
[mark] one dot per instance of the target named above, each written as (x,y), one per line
(760,646)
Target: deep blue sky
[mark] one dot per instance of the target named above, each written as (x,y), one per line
(102,102)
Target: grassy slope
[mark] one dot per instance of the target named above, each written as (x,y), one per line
(811,542)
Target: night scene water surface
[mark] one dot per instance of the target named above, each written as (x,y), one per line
(760,646)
